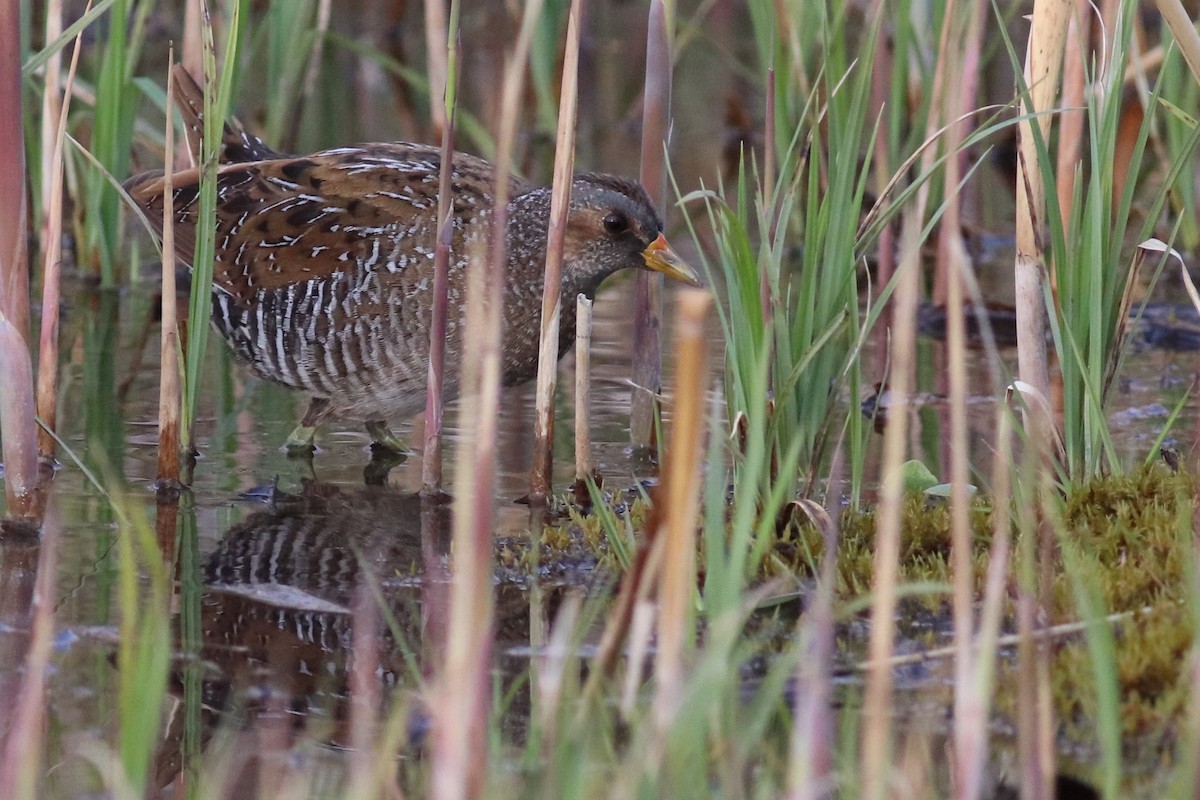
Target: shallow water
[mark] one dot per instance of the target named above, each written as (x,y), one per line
(280,568)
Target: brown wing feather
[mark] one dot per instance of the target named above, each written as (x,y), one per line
(293,220)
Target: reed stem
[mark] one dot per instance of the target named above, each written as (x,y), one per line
(56,109)
(168,386)
(682,498)
(460,751)
(431,461)
(583,394)
(17,425)
(1043,63)
(560,204)
(648,287)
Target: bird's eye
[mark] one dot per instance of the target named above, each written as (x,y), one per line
(616,223)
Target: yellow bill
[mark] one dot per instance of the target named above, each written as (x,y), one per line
(661,258)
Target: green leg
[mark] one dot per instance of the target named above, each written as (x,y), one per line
(300,440)
(382,436)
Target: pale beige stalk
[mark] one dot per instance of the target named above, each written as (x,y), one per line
(876,738)
(56,109)
(954,265)
(682,498)
(168,386)
(435,60)
(1184,31)
(646,369)
(1043,64)
(460,693)
(583,387)
(560,203)
(1073,116)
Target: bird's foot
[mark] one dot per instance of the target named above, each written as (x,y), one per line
(300,441)
(383,438)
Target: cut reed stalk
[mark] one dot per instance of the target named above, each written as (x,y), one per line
(646,371)
(52,233)
(431,461)
(682,498)
(168,383)
(460,752)
(1043,63)
(560,204)
(583,395)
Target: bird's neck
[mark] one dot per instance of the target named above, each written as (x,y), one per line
(527,245)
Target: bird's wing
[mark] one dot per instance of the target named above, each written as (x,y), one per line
(295,220)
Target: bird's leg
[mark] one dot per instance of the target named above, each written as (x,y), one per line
(382,436)
(300,440)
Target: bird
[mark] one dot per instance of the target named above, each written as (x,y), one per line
(323,270)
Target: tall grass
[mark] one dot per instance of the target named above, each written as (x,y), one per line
(115,113)
(720,710)
(216,107)
(1089,253)
(560,205)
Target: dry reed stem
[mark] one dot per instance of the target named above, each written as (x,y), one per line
(881,76)
(969,730)
(560,203)
(876,740)
(1043,63)
(682,497)
(364,689)
(551,665)
(21,763)
(436,61)
(583,389)
(431,459)
(812,726)
(192,60)
(460,707)
(17,411)
(14,263)
(51,106)
(646,370)
(1184,31)
(17,420)
(52,231)
(168,386)
(1074,116)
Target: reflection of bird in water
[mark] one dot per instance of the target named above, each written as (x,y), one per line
(277,608)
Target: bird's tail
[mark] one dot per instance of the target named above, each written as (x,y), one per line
(237,144)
